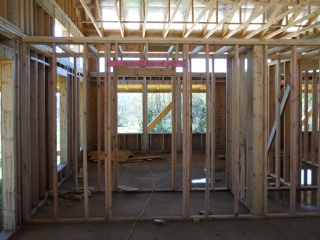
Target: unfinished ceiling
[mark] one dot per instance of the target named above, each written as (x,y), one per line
(262,19)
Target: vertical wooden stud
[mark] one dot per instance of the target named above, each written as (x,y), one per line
(278,124)
(229,125)
(84,132)
(259,138)
(115,122)
(9,217)
(295,129)
(213,125)
(186,134)
(99,124)
(208,130)
(75,115)
(305,123)
(107,134)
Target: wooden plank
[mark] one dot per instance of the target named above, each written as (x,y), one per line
(174,116)
(282,106)
(98,125)
(208,144)
(145,135)
(243,128)
(229,124)
(259,174)
(159,117)
(25,133)
(318,180)
(115,122)
(277,121)
(75,130)
(9,197)
(249,130)
(186,139)
(53,127)
(295,129)
(314,118)
(236,139)
(146,63)
(107,134)
(305,124)
(63,119)
(84,132)
(286,128)
(34,150)
(213,125)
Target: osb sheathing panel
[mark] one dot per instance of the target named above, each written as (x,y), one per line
(220,116)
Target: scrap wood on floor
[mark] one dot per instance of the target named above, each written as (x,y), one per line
(123,156)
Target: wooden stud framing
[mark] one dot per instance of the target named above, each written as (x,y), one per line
(229,124)
(75,114)
(306,132)
(42,125)
(295,129)
(174,116)
(208,130)
(64,91)
(84,133)
(243,128)
(25,133)
(286,157)
(9,209)
(98,124)
(186,135)
(34,143)
(314,118)
(236,139)
(145,135)
(249,130)
(115,122)
(213,125)
(318,180)
(259,138)
(277,120)
(107,135)
(53,127)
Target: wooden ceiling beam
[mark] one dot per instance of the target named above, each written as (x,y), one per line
(118,12)
(205,27)
(88,12)
(256,12)
(211,3)
(186,17)
(279,17)
(226,17)
(167,26)
(315,13)
(314,25)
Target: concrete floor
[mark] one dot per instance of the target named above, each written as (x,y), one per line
(255,229)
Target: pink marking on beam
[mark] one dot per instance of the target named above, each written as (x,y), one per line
(146,63)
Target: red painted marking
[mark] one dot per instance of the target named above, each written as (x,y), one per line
(147,63)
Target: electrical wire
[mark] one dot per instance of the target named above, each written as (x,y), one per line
(147,203)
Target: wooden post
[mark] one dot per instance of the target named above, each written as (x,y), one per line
(213,125)
(115,122)
(63,119)
(295,129)
(42,130)
(318,180)
(84,132)
(174,124)
(314,125)
(305,123)
(208,130)
(145,135)
(229,125)
(9,199)
(243,124)
(53,128)
(286,157)
(186,134)
(75,115)
(107,134)
(249,130)
(271,113)
(25,133)
(99,124)
(278,124)
(236,115)
(259,138)
(34,132)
